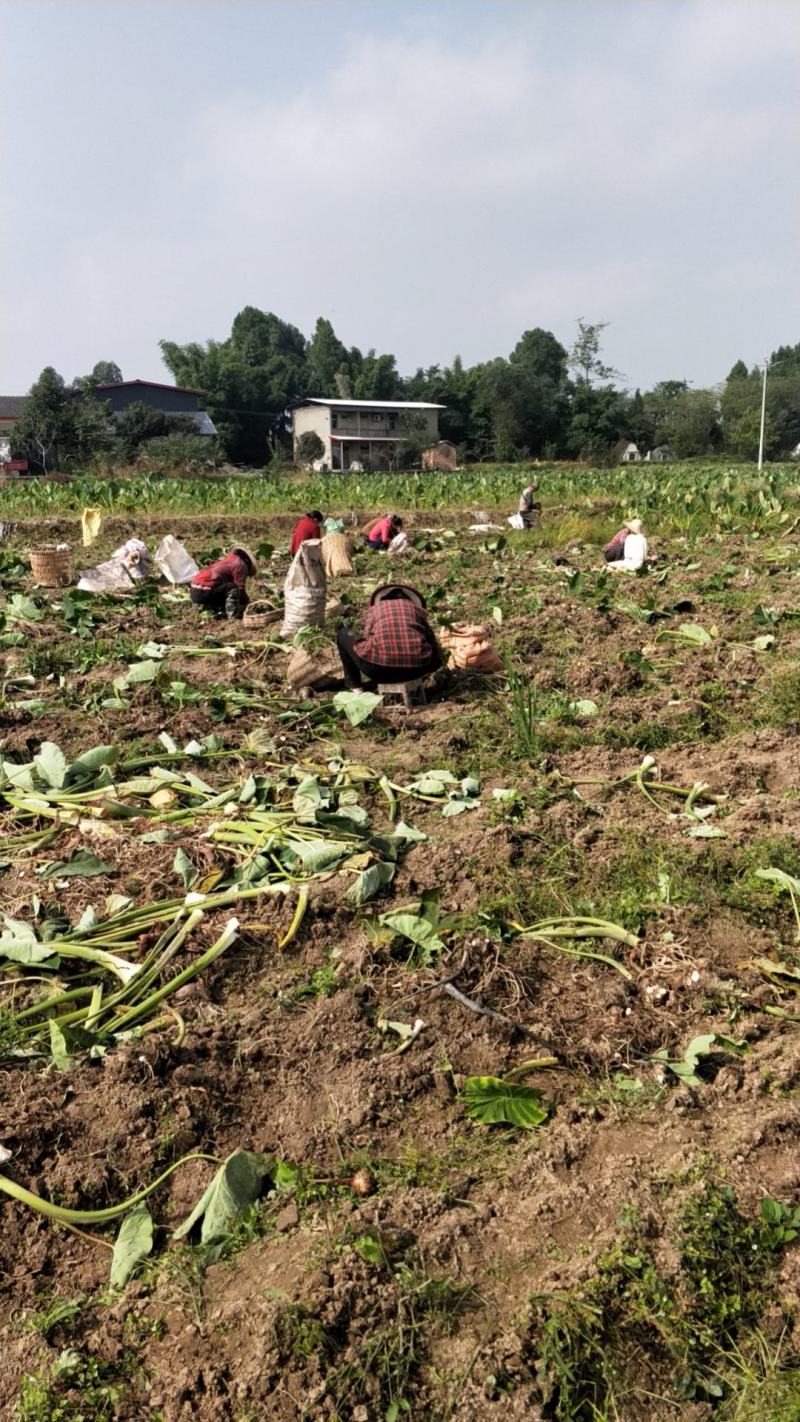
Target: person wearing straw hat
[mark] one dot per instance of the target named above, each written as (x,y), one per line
(627,550)
(221,588)
(397,644)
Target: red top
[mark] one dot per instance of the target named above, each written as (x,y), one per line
(396,634)
(229,572)
(305,529)
(383,531)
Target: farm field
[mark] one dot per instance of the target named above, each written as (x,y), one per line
(498,999)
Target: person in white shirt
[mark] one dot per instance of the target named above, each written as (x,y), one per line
(633,544)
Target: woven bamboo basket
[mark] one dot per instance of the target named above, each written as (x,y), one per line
(260,614)
(51,566)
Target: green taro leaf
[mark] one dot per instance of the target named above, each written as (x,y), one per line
(417,930)
(59,1050)
(51,765)
(236,1185)
(20,945)
(23,609)
(183,865)
(317,855)
(139,673)
(133,1244)
(494,1101)
(369,883)
(80,865)
(357,705)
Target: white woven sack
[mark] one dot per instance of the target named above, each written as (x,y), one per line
(305,590)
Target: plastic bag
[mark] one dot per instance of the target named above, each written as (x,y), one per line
(173,561)
(334,525)
(516,521)
(399,544)
(305,589)
(133,556)
(111,576)
(91,520)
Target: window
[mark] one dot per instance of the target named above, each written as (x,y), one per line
(334,420)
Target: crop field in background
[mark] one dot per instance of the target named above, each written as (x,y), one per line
(443,1066)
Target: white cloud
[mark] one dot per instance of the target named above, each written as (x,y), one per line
(437,192)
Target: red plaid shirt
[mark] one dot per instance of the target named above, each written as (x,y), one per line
(229,572)
(396,634)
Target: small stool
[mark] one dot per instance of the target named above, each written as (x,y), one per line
(405,691)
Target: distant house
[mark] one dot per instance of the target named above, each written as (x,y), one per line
(366,433)
(443,455)
(630,454)
(169,399)
(11,407)
(662,454)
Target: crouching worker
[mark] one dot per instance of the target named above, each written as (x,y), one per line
(529,508)
(627,550)
(381,533)
(308,527)
(221,588)
(397,644)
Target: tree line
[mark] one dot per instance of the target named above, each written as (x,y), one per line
(542,400)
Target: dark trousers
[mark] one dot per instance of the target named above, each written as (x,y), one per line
(357,669)
(376,545)
(225,601)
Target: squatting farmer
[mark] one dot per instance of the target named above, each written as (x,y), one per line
(221,588)
(397,644)
(627,550)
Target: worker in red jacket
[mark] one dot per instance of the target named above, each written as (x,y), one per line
(221,588)
(380,533)
(309,526)
(397,644)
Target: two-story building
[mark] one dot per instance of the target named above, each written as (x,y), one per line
(364,433)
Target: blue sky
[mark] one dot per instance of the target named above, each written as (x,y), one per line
(434,177)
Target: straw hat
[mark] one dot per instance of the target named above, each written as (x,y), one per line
(390,589)
(634,525)
(240,548)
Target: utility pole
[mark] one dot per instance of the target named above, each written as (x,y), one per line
(763,415)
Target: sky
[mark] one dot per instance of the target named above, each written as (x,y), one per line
(434,176)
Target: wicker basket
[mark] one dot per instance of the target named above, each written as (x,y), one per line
(51,566)
(260,614)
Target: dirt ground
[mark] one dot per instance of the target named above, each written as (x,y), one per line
(424,1297)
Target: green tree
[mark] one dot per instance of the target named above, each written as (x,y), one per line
(743,436)
(538,352)
(248,380)
(585,359)
(45,432)
(105,372)
(308,447)
(327,359)
(138,424)
(691,424)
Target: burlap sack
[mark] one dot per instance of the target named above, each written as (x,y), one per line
(470,648)
(306,668)
(336,550)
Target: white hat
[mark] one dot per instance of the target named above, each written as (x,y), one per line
(634,525)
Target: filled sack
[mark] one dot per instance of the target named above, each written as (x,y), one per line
(308,668)
(173,561)
(516,521)
(470,648)
(336,550)
(109,577)
(304,590)
(133,556)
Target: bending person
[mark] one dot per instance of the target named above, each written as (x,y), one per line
(528,507)
(381,533)
(221,588)
(309,526)
(397,644)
